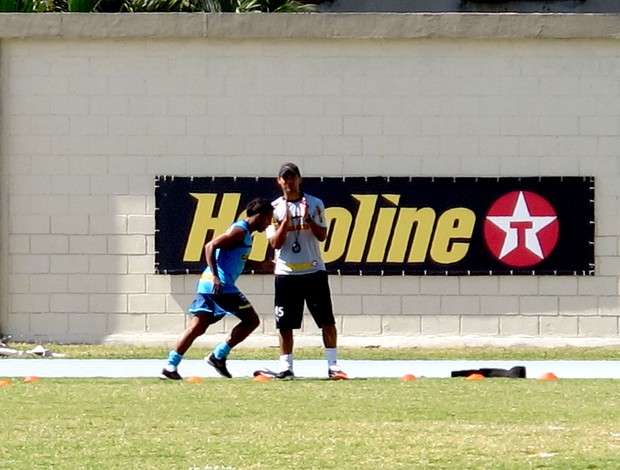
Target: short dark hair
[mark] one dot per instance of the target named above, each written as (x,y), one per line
(259,206)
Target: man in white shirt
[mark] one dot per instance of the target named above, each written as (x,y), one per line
(299,227)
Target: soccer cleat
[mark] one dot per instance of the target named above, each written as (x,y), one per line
(169,375)
(336,373)
(219,365)
(285,375)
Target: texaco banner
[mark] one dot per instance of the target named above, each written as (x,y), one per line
(398,225)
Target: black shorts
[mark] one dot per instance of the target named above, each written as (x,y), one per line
(293,291)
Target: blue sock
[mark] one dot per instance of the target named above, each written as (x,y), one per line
(174,359)
(222,350)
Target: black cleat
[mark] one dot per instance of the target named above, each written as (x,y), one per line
(219,365)
(169,375)
(284,375)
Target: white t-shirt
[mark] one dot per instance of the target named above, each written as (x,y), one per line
(307,258)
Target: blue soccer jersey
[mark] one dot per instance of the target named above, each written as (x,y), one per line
(230,264)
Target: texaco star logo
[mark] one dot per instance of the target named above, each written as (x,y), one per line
(521,228)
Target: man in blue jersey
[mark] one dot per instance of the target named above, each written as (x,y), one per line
(217,294)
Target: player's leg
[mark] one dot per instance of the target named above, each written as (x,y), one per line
(318,299)
(199,323)
(289,307)
(232,304)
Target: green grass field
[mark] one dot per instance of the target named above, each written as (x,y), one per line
(313,424)
(310,424)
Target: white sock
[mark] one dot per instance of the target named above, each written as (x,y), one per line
(332,356)
(286,362)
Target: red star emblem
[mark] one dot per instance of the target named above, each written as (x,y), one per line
(521,228)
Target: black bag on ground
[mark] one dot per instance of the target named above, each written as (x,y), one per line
(517,372)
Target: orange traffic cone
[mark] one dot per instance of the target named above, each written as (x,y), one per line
(407,377)
(261,378)
(475,377)
(194,379)
(548,376)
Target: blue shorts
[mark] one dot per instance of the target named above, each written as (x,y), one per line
(220,305)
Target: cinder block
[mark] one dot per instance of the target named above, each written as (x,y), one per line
(49,244)
(559,326)
(127,284)
(69,224)
(518,285)
(107,303)
(499,305)
(17,324)
(30,264)
(578,305)
(421,304)
(460,305)
(479,325)
(88,244)
(30,303)
(598,285)
(139,264)
(70,184)
(134,323)
(127,244)
(474,285)
(401,325)
(107,264)
(381,304)
(361,325)
(165,323)
(541,305)
(400,285)
(551,285)
(347,304)
(29,224)
(518,325)
(608,266)
(48,283)
(146,303)
(69,303)
(49,324)
(599,327)
(86,323)
(19,284)
(69,264)
(19,244)
(89,205)
(89,284)
(609,305)
(436,285)
(250,284)
(441,324)
(363,285)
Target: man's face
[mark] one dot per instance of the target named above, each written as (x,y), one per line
(289,182)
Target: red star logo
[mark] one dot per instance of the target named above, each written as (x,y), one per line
(521,228)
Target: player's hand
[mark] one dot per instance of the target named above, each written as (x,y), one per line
(217,285)
(303,208)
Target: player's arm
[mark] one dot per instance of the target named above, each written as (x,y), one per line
(233,236)
(318,230)
(279,236)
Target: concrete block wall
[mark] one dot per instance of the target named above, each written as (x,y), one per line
(89,116)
